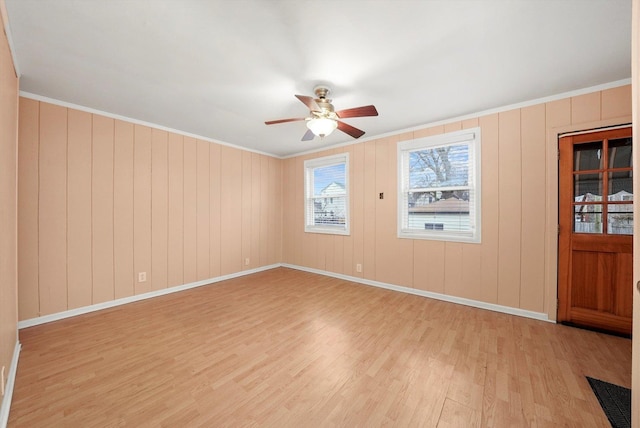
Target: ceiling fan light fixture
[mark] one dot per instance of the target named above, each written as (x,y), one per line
(322,126)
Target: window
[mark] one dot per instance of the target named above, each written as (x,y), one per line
(326,183)
(439,187)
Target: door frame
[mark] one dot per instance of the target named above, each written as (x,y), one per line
(552,213)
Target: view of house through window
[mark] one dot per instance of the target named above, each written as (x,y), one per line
(327,194)
(439,187)
(603,187)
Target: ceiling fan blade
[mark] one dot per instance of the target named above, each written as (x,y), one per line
(308,136)
(309,102)
(357,112)
(293,119)
(348,129)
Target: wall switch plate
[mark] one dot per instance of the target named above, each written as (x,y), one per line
(142,276)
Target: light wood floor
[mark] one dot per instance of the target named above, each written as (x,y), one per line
(287,348)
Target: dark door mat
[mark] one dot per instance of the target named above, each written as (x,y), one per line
(615,401)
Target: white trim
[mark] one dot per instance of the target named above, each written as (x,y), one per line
(123,301)
(522,104)
(437,296)
(138,122)
(508,107)
(8,388)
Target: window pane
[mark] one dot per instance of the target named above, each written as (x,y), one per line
(587,187)
(439,187)
(621,186)
(439,211)
(620,153)
(587,156)
(439,167)
(329,191)
(329,180)
(329,211)
(587,219)
(619,222)
(326,183)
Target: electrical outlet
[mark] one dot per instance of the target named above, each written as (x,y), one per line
(358,267)
(142,277)
(246,261)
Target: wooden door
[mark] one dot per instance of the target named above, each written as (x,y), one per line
(595,248)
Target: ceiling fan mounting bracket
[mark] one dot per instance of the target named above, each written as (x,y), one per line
(322,92)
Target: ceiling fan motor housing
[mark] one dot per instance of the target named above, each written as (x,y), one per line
(326,108)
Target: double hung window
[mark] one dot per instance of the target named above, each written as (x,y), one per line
(326,183)
(439,187)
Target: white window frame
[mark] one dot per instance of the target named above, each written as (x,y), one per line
(309,168)
(470,136)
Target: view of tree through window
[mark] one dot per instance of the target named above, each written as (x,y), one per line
(438,183)
(438,191)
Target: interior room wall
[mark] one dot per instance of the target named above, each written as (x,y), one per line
(511,266)
(8,201)
(635,91)
(102,200)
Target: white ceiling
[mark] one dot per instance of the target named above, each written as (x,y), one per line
(220,69)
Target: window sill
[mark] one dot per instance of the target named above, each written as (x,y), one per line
(326,230)
(448,237)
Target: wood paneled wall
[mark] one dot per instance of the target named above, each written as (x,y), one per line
(8,202)
(508,267)
(102,200)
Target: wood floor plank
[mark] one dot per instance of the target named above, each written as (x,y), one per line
(286,348)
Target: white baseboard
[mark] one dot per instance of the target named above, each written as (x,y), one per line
(123,301)
(8,388)
(444,297)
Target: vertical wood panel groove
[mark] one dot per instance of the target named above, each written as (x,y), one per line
(79,210)
(123,209)
(28,208)
(52,209)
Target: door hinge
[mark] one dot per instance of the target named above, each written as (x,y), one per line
(558,229)
(558,154)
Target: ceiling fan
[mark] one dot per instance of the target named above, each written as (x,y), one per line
(323,119)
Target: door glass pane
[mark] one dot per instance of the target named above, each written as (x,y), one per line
(587,156)
(621,186)
(620,220)
(587,187)
(587,219)
(620,153)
